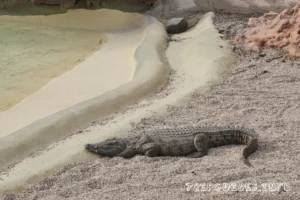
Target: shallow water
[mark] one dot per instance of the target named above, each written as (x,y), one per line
(54,39)
(32,55)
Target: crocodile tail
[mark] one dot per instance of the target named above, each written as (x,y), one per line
(251,141)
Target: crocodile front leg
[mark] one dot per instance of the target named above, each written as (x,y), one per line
(128,153)
(201,145)
(150,149)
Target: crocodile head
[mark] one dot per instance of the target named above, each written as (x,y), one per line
(110,147)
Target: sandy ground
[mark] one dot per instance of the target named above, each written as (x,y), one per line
(120,36)
(261,92)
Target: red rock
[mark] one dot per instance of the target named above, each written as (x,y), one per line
(274,30)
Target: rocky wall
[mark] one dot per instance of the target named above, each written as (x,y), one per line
(245,6)
(69,4)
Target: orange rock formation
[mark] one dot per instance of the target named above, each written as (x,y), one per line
(273,30)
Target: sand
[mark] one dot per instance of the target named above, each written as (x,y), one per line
(120,38)
(261,92)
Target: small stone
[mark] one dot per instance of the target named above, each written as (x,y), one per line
(176,25)
(233,48)
(221,31)
(10,197)
(262,55)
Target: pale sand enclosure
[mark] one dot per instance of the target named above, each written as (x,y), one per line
(189,76)
(102,71)
(261,92)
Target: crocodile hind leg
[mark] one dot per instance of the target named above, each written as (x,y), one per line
(201,145)
(150,149)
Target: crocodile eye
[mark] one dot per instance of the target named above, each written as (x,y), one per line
(113,143)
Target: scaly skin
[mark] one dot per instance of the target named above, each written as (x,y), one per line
(186,141)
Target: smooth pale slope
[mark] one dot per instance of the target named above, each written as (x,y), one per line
(33,55)
(104,70)
(202,60)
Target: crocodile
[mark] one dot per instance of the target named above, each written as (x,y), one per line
(192,142)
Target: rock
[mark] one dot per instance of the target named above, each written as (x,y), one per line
(245,6)
(46,2)
(274,30)
(66,4)
(164,10)
(176,25)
